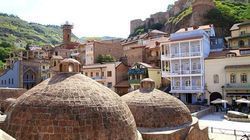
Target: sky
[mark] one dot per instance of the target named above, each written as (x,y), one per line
(91,18)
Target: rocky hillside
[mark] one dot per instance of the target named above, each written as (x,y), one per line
(18,32)
(183,13)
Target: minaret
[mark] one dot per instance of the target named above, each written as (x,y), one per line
(67,32)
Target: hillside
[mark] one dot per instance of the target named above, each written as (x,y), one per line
(18,32)
(222,13)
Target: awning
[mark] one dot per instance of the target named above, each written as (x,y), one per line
(219,101)
(243,100)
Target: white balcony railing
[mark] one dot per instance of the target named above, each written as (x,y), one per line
(183,54)
(178,72)
(187,88)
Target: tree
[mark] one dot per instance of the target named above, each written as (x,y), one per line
(105,58)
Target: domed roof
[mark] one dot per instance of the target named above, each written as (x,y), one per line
(70,106)
(153,108)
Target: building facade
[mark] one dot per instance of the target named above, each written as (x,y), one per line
(108,74)
(228,75)
(95,48)
(182,58)
(240,35)
(143,48)
(141,71)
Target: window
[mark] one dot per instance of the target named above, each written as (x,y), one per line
(12,81)
(243,78)
(97,74)
(162,50)
(187,83)
(2,82)
(9,80)
(56,53)
(232,78)
(241,43)
(91,74)
(102,73)
(109,85)
(216,78)
(54,63)
(109,73)
(86,74)
(43,67)
(177,83)
(231,55)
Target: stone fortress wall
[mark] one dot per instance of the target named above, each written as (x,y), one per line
(200,7)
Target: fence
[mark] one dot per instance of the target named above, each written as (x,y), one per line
(236,133)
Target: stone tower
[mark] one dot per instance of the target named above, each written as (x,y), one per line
(67,32)
(200,9)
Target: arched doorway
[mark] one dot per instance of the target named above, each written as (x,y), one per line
(214,96)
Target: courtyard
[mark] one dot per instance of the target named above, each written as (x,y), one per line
(222,129)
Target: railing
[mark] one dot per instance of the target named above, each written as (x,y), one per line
(237,85)
(98,78)
(197,71)
(134,81)
(184,54)
(187,88)
(243,135)
(29,81)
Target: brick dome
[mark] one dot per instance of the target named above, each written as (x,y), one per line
(70,106)
(153,108)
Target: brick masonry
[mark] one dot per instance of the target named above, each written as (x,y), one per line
(70,106)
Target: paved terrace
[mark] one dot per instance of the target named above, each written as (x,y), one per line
(224,129)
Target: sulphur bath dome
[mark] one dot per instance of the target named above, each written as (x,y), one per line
(153,108)
(70,106)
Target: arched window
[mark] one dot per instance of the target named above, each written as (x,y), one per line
(243,78)
(232,78)
(216,78)
(241,43)
(71,68)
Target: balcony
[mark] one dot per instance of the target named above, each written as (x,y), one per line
(184,54)
(237,86)
(183,72)
(186,88)
(134,81)
(98,78)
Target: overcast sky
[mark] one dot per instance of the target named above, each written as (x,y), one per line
(90,17)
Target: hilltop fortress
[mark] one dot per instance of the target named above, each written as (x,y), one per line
(180,12)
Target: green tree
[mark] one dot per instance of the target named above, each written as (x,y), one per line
(105,58)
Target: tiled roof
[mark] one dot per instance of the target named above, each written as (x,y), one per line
(203,27)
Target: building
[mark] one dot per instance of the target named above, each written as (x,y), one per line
(141,71)
(240,35)
(160,116)
(182,59)
(93,49)
(70,106)
(108,74)
(138,48)
(227,75)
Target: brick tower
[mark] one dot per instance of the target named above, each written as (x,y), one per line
(67,32)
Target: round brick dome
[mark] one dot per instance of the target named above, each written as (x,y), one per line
(153,108)
(70,106)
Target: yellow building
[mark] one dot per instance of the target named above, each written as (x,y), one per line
(227,75)
(240,35)
(140,71)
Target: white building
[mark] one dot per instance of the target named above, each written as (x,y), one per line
(182,58)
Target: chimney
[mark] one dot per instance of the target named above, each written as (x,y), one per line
(186,29)
(195,27)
